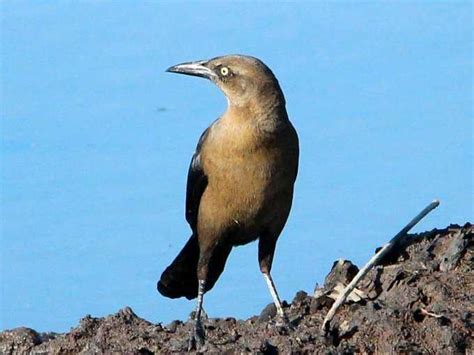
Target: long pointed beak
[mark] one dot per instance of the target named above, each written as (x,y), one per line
(197,68)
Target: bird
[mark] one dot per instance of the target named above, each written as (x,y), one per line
(240,180)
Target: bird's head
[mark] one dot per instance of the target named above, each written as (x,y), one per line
(243,79)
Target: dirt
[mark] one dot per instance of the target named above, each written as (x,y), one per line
(420,300)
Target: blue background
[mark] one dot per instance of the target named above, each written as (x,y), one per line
(97,138)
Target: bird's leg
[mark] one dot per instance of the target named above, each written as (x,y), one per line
(266,249)
(197,333)
(274,293)
(282,319)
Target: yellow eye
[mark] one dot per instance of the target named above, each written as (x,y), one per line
(224,71)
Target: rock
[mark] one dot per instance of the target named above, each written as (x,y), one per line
(343,271)
(299,297)
(456,249)
(268,313)
(173,326)
(18,340)
(410,309)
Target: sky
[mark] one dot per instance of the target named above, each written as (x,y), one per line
(96,140)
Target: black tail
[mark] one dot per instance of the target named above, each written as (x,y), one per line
(180,278)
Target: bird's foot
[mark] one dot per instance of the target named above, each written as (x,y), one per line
(197,336)
(283,325)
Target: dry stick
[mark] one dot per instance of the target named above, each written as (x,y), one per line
(372,262)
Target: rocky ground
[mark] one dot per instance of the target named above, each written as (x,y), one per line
(421,300)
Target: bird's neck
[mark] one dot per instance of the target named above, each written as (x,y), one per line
(267,112)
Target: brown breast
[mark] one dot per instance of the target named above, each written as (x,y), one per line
(247,175)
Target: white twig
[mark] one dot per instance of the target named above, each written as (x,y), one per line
(372,262)
(431,314)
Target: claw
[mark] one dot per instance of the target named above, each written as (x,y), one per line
(284,325)
(197,336)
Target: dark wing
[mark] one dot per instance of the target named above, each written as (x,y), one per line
(197,182)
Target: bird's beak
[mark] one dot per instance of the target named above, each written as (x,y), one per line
(197,68)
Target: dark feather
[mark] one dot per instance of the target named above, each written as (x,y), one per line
(180,278)
(197,182)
